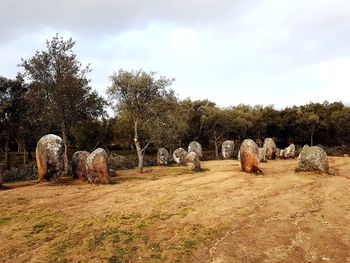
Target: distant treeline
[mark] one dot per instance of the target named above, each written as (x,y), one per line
(53,95)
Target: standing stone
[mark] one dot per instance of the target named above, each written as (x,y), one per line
(289,152)
(262,155)
(313,159)
(162,156)
(179,156)
(249,155)
(79,165)
(270,147)
(97,167)
(195,147)
(278,152)
(193,161)
(49,157)
(281,155)
(227,149)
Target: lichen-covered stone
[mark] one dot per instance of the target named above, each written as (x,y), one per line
(270,147)
(289,152)
(227,149)
(79,165)
(179,156)
(162,156)
(313,158)
(195,147)
(249,156)
(49,157)
(97,167)
(262,155)
(193,161)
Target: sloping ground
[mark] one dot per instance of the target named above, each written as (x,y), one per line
(171,215)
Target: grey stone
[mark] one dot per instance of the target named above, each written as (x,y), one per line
(270,147)
(262,155)
(313,159)
(162,156)
(195,147)
(227,149)
(289,152)
(249,157)
(179,156)
(49,157)
(97,167)
(193,161)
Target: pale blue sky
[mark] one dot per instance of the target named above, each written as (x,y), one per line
(244,51)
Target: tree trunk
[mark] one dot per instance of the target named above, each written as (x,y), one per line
(312,137)
(216,150)
(138,148)
(7,150)
(1,175)
(65,143)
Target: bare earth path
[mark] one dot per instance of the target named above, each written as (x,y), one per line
(171,215)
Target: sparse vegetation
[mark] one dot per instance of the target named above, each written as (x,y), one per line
(180,217)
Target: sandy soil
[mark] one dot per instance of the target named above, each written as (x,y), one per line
(169,214)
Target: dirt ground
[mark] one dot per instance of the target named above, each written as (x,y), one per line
(169,214)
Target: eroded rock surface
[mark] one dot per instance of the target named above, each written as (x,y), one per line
(227,149)
(49,157)
(313,158)
(97,167)
(179,156)
(162,156)
(270,146)
(249,156)
(195,147)
(193,161)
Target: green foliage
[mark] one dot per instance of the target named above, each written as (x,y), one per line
(144,104)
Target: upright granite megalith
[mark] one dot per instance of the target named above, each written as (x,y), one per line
(313,158)
(193,162)
(270,146)
(195,147)
(162,156)
(97,167)
(249,157)
(49,157)
(227,149)
(179,156)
